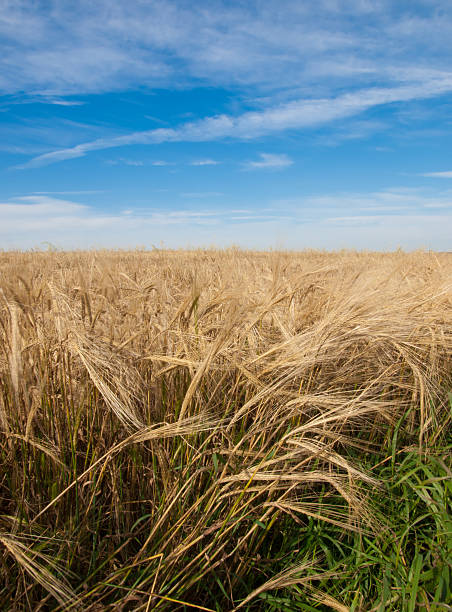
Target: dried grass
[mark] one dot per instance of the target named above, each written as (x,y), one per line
(168,410)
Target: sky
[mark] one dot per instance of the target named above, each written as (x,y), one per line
(285,124)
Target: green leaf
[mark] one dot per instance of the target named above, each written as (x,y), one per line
(418,561)
(260,523)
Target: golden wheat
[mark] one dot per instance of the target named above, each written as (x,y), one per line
(167,411)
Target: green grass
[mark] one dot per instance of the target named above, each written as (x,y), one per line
(405,566)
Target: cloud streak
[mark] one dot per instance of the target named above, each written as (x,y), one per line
(61,48)
(447,174)
(62,102)
(269,161)
(201,194)
(294,115)
(47,214)
(204,162)
(386,220)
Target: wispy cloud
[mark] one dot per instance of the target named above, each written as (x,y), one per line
(41,99)
(384,202)
(351,129)
(138,162)
(323,222)
(125,161)
(38,212)
(57,218)
(111,45)
(61,102)
(269,160)
(357,221)
(295,115)
(201,194)
(78,192)
(447,174)
(205,162)
(156,119)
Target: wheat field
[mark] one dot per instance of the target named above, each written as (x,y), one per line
(225,430)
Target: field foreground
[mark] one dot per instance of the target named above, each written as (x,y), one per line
(225,430)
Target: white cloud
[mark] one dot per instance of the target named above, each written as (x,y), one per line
(201,194)
(133,162)
(352,221)
(138,162)
(61,48)
(270,160)
(62,102)
(204,162)
(38,201)
(60,220)
(295,115)
(34,133)
(28,213)
(357,221)
(447,174)
(399,200)
(79,192)
(439,205)
(126,162)
(43,99)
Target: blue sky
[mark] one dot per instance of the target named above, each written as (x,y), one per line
(282,124)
